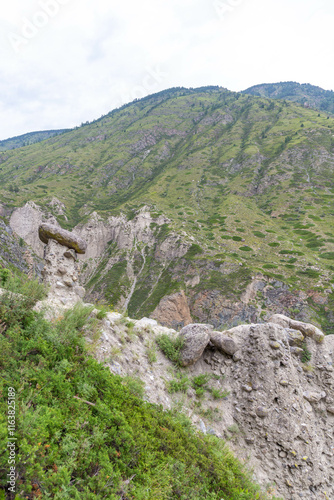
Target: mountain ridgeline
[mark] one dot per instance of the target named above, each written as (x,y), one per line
(199,204)
(305,94)
(27,139)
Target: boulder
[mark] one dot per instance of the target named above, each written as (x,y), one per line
(314,397)
(295,337)
(68,239)
(262,412)
(224,343)
(195,339)
(306,328)
(70,254)
(80,291)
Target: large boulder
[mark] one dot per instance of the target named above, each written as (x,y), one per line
(71,240)
(195,339)
(224,343)
(306,328)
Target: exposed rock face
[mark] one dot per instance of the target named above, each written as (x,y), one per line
(115,240)
(196,338)
(12,251)
(61,273)
(173,311)
(25,222)
(65,238)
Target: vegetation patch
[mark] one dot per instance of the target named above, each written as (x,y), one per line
(84,433)
(193,251)
(327,255)
(171,347)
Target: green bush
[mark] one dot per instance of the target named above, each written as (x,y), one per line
(170,347)
(306,355)
(327,255)
(219,393)
(180,384)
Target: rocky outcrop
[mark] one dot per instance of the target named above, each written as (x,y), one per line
(224,343)
(173,311)
(14,252)
(65,238)
(115,240)
(25,222)
(61,270)
(277,412)
(305,328)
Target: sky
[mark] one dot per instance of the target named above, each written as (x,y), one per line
(64,62)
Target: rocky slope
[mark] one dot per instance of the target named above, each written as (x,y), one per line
(266,387)
(276,411)
(145,267)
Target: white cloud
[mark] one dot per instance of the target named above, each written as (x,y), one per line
(84,57)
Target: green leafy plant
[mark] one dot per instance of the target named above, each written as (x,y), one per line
(306,355)
(171,347)
(179,384)
(219,393)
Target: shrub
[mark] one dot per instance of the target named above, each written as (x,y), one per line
(193,251)
(219,393)
(180,384)
(306,355)
(170,347)
(327,255)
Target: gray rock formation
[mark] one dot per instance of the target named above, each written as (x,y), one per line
(61,270)
(25,222)
(196,338)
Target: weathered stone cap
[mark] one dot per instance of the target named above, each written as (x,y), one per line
(66,238)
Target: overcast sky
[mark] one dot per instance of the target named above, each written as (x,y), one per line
(67,61)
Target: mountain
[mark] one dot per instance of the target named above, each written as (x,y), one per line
(198,204)
(305,94)
(27,139)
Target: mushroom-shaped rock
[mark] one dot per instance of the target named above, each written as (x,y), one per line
(224,343)
(195,339)
(306,328)
(71,240)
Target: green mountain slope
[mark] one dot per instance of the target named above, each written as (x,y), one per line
(27,139)
(304,94)
(248,181)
